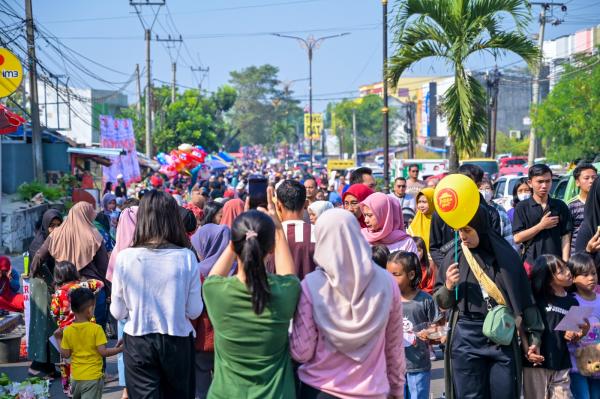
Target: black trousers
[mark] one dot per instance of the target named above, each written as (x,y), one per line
(308,392)
(159,366)
(481,369)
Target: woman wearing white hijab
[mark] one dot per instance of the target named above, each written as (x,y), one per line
(317,208)
(348,327)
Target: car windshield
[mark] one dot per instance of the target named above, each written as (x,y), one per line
(515,162)
(489,167)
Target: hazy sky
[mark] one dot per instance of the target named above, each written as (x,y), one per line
(230,35)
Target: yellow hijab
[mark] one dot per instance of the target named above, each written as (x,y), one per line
(421,224)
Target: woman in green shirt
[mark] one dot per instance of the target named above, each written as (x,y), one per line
(251,311)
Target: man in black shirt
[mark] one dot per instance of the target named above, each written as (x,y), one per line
(441,236)
(542,224)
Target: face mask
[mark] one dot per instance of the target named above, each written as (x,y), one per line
(523,196)
(487,195)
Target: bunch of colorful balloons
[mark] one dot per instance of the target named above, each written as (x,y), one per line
(185,158)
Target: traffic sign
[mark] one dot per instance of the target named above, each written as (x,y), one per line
(317,126)
(11,73)
(340,164)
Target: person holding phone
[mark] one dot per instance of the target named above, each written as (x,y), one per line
(542,224)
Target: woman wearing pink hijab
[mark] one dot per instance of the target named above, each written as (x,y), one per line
(125,232)
(345,331)
(385,224)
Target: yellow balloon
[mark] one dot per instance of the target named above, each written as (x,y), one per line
(456,199)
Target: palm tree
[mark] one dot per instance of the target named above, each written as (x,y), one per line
(454,30)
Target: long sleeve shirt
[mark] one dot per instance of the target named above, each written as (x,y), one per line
(157,291)
(324,368)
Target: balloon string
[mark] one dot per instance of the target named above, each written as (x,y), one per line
(456,260)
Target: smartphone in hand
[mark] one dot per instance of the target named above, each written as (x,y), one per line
(257,190)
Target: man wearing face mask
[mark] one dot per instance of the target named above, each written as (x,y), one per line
(485,188)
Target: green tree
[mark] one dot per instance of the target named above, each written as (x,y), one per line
(454,30)
(192,118)
(369,122)
(569,118)
(263,113)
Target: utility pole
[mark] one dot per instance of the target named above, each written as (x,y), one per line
(36,131)
(202,70)
(546,6)
(385,109)
(148,97)
(310,44)
(354,144)
(148,38)
(494,85)
(410,131)
(139,91)
(174,83)
(173,65)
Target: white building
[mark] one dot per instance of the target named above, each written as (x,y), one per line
(75,112)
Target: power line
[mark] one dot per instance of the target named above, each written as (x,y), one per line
(190,12)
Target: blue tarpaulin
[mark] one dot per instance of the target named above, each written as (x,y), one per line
(225,156)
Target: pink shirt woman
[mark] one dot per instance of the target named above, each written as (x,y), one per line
(347,330)
(385,224)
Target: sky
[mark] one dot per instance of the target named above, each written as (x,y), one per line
(225,36)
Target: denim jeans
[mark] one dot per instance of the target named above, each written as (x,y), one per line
(585,387)
(417,385)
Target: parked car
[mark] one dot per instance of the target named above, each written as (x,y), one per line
(513,166)
(503,189)
(489,166)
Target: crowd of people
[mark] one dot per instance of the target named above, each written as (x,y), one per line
(331,289)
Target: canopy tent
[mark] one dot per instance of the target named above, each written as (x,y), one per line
(215,164)
(225,156)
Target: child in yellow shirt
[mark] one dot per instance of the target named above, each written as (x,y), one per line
(85,343)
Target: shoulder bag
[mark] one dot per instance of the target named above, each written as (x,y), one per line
(499,323)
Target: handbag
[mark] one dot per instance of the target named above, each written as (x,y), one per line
(499,323)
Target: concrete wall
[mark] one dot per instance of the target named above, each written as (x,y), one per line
(17,162)
(18,224)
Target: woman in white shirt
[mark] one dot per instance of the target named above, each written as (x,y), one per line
(156,287)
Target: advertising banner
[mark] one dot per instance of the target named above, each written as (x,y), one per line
(118,133)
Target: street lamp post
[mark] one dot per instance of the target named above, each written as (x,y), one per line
(385,109)
(310,44)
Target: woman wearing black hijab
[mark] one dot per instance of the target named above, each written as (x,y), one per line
(588,238)
(42,326)
(475,366)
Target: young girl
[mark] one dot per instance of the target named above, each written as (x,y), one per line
(381,253)
(419,310)
(585,383)
(547,373)
(66,278)
(428,269)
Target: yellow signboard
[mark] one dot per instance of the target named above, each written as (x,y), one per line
(317,126)
(340,164)
(11,73)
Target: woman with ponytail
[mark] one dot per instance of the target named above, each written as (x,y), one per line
(251,311)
